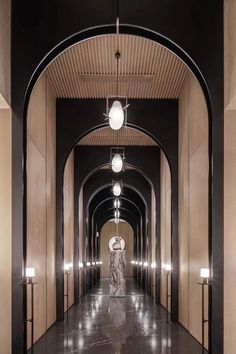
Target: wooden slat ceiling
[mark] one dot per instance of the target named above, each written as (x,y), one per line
(124,137)
(88,69)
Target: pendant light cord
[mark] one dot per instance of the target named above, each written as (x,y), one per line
(117,55)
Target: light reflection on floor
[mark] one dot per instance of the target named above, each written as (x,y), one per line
(133,324)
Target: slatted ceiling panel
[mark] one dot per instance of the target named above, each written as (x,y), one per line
(88,69)
(124,137)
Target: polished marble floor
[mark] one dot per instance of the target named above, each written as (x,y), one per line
(104,325)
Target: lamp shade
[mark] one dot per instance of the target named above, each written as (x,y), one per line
(117,189)
(168,267)
(67,266)
(30,272)
(117,203)
(204,272)
(116,116)
(117,163)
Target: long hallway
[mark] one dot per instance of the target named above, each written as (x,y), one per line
(100,324)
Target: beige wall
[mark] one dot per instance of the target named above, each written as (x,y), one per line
(230,179)
(68,196)
(5,62)
(5,178)
(165,189)
(193,202)
(81,243)
(5,230)
(108,231)
(41,228)
(153,236)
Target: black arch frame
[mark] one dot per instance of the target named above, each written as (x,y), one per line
(215,250)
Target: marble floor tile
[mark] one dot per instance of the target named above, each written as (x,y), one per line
(103,325)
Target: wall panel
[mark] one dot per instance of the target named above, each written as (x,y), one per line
(5,230)
(193,203)
(51,204)
(230,177)
(41,234)
(153,236)
(165,188)
(5,52)
(68,195)
(81,239)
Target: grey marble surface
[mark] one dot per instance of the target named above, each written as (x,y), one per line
(117,270)
(104,325)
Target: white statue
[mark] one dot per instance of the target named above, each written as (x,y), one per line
(117,266)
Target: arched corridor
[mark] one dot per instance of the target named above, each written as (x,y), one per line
(101,324)
(117,176)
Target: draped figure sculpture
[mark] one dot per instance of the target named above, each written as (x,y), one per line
(117,266)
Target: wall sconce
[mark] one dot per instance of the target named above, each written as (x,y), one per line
(205,275)
(136,262)
(93,263)
(100,262)
(132,262)
(88,264)
(153,265)
(29,275)
(140,263)
(97,263)
(145,264)
(81,265)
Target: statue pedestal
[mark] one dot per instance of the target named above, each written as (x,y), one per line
(117,268)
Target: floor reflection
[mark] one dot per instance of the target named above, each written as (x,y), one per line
(100,325)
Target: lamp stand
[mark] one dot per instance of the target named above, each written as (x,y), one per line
(67,293)
(203,284)
(30,282)
(167,295)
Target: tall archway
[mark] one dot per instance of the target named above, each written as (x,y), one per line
(162,146)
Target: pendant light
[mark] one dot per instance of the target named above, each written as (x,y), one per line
(116,114)
(117,213)
(117,163)
(117,189)
(117,203)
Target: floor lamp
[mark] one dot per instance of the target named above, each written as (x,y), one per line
(204,274)
(168,273)
(67,268)
(30,274)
